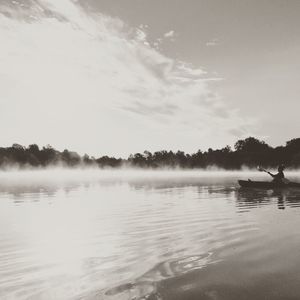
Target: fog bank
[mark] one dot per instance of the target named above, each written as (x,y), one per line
(93,174)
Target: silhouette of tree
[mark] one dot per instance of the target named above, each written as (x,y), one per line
(251,151)
(293,145)
(248,152)
(251,144)
(70,158)
(106,161)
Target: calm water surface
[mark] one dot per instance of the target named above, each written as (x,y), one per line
(153,235)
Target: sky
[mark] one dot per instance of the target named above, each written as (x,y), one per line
(114,77)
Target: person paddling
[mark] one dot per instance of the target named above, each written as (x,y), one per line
(279,177)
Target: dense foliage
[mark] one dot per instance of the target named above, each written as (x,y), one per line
(249,152)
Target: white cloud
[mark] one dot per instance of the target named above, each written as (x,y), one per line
(169,34)
(212,42)
(88,82)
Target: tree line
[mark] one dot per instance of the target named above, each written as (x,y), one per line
(248,152)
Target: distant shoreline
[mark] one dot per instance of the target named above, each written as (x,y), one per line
(247,154)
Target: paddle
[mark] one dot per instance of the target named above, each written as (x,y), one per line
(260,169)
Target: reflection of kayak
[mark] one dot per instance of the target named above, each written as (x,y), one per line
(267,184)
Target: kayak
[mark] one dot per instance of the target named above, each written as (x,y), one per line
(267,184)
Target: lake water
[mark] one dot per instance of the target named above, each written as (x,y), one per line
(146,235)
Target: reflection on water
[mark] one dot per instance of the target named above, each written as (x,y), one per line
(252,198)
(167,235)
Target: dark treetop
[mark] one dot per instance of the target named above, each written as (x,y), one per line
(249,152)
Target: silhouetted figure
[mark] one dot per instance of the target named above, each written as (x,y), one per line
(279,177)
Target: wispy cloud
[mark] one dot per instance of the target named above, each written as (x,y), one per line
(169,34)
(212,42)
(92,83)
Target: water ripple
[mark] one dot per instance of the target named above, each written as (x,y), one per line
(139,240)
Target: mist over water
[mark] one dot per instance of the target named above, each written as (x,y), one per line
(128,234)
(107,79)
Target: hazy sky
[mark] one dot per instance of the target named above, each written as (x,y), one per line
(121,76)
